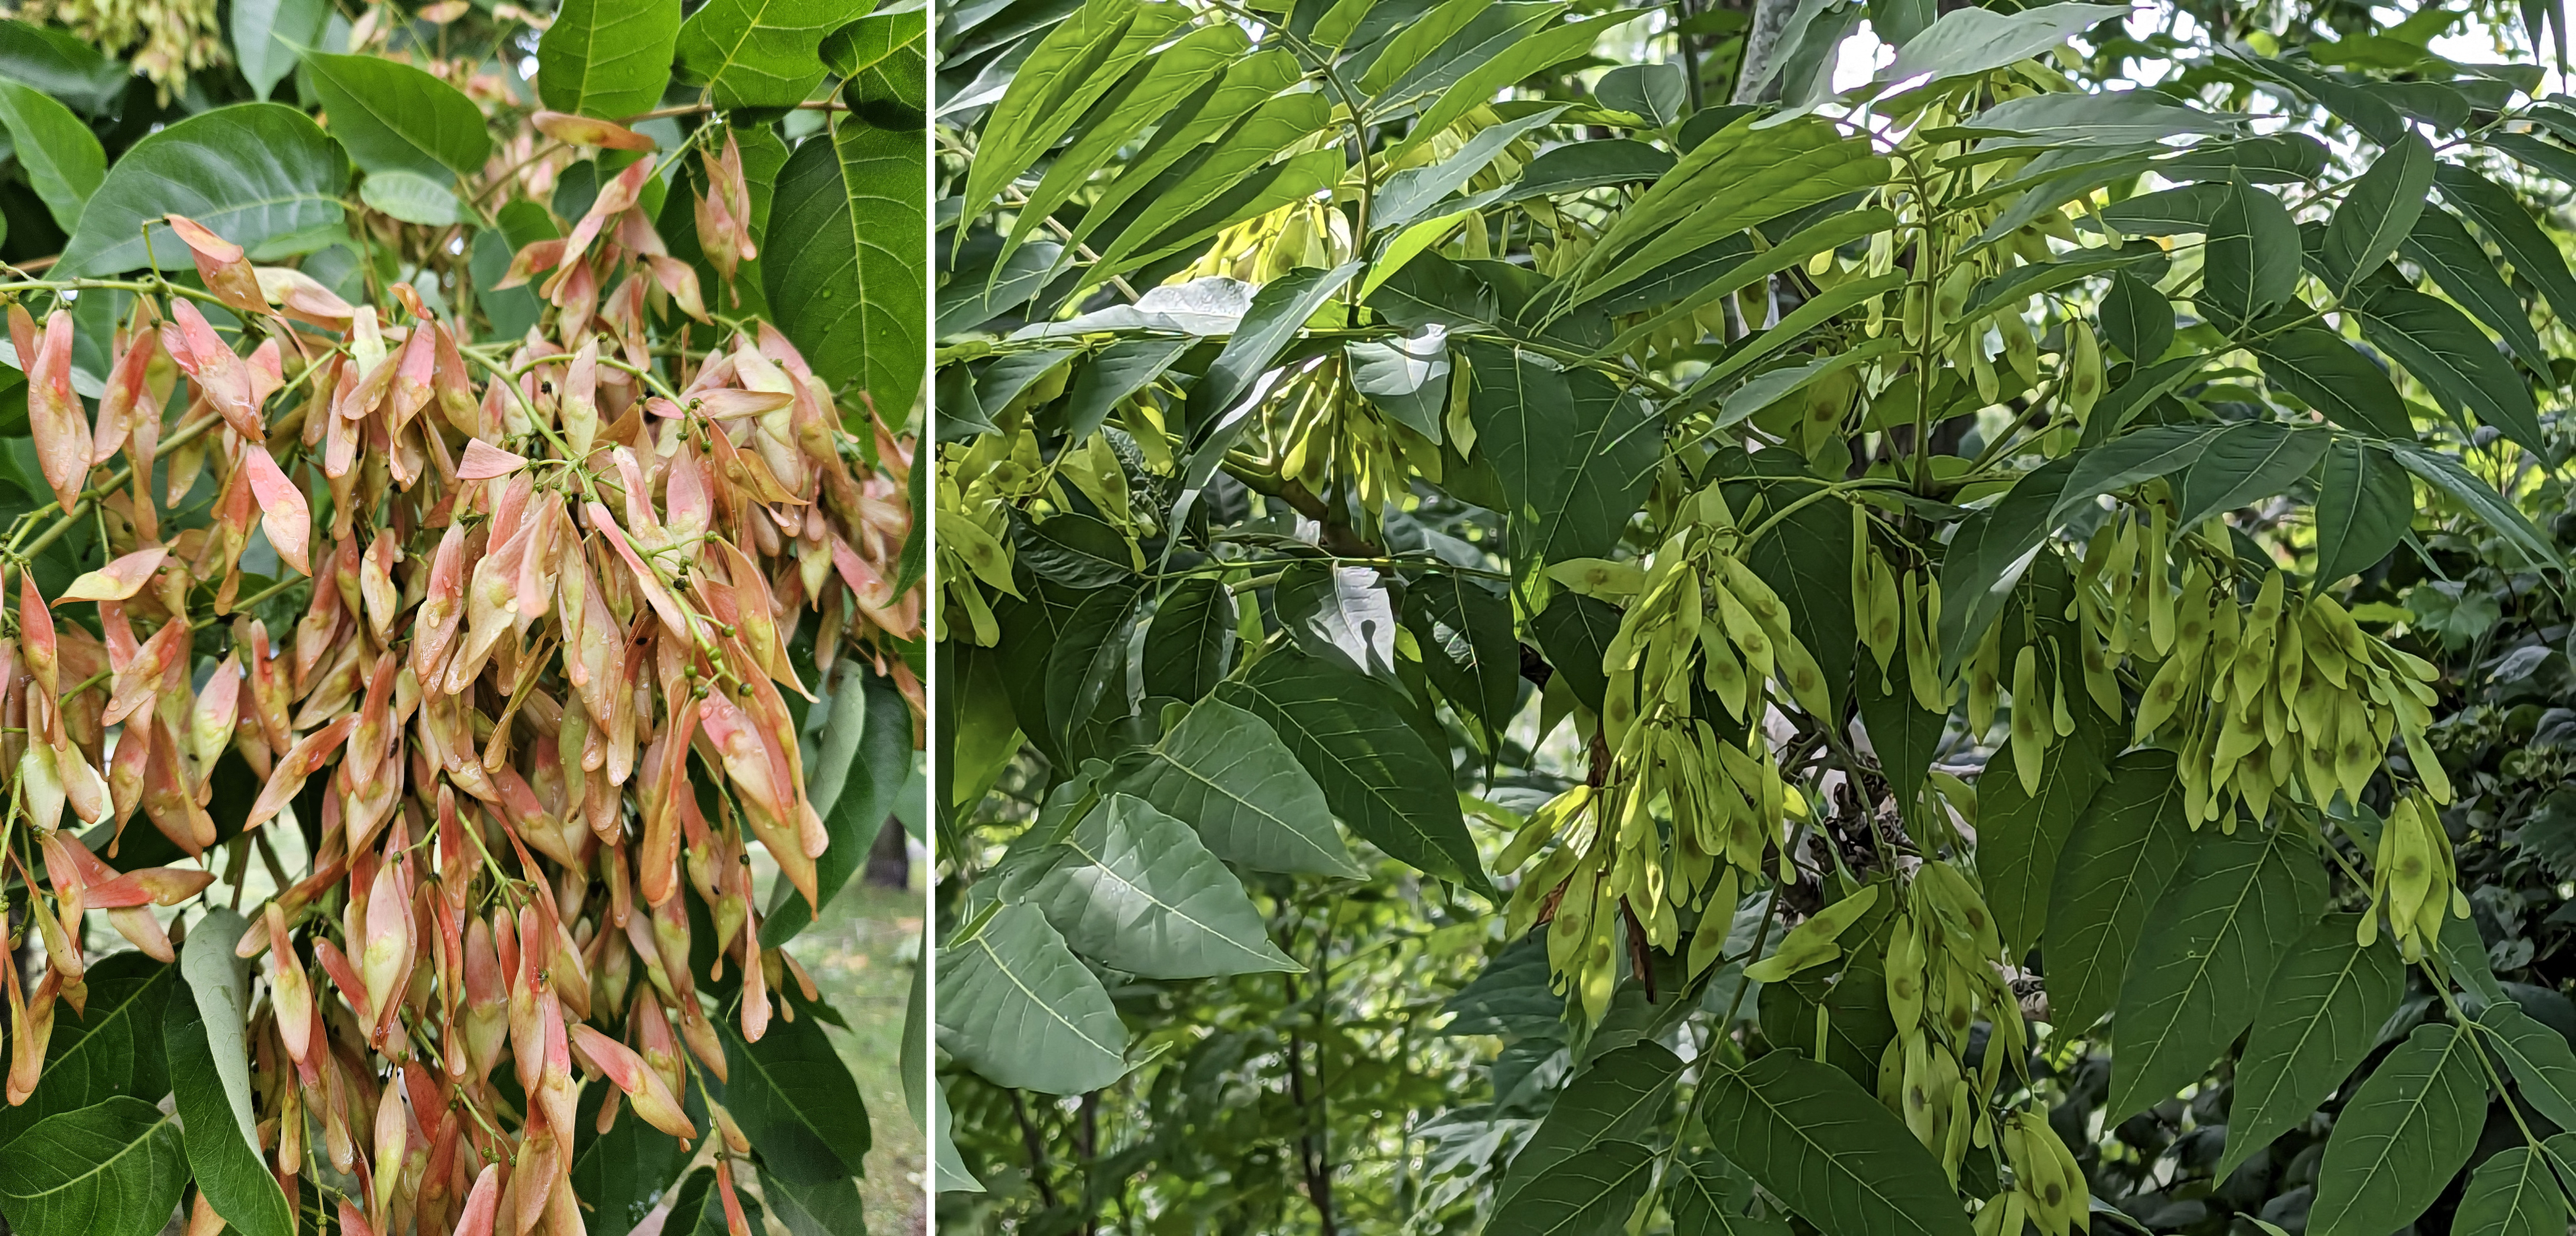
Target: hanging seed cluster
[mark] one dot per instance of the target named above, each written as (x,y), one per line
(2286,692)
(1704,643)
(539,696)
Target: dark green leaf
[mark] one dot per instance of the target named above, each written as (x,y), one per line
(1227,774)
(390,116)
(795,1100)
(607,58)
(1708,1199)
(2442,247)
(1114,373)
(2512,1194)
(626,1171)
(2503,219)
(2364,503)
(1989,553)
(63,159)
(1015,1006)
(1379,775)
(1139,893)
(851,206)
(1510,996)
(2152,451)
(831,1208)
(2538,1057)
(2481,499)
(1624,1096)
(1279,310)
(2253,258)
(1594,1191)
(2334,378)
(1086,673)
(64,65)
(2245,464)
(1464,632)
(253,173)
(1575,631)
(206,1058)
(2197,978)
(1817,1141)
(1073,549)
(1904,735)
(1189,646)
(267,34)
(2452,359)
(114,1047)
(1407,378)
(2321,1014)
(2137,319)
(2020,835)
(112,1169)
(2379,210)
(2405,1134)
(1339,614)
(758,53)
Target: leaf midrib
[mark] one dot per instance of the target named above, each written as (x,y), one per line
(141,1139)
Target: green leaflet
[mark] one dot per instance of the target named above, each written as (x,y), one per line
(1964,42)
(1189,645)
(1227,774)
(1579,451)
(854,297)
(2512,1194)
(2320,1017)
(252,172)
(1162,81)
(2538,1058)
(1377,774)
(1339,614)
(1591,1192)
(391,116)
(2451,358)
(1736,270)
(605,58)
(1623,1096)
(625,1171)
(2244,464)
(1988,555)
(2253,261)
(1076,63)
(113,1048)
(266,34)
(759,53)
(63,159)
(2446,474)
(2137,319)
(2332,377)
(2020,835)
(206,1059)
(1468,649)
(2379,211)
(2442,247)
(112,1169)
(2196,980)
(1820,1143)
(1206,114)
(1015,1006)
(1523,59)
(1739,177)
(2141,454)
(2122,853)
(1710,1199)
(1141,894)
(2364,504)
(2502,219)
(2404,1135)
(795,1100)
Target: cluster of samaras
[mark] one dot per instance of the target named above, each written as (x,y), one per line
(531,601)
